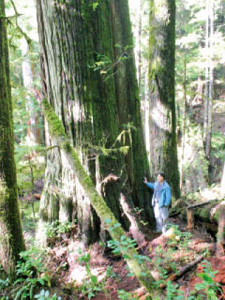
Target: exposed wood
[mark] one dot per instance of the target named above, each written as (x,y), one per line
(190,219)
(134,229)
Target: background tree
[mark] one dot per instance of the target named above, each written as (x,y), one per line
(163,142)
(139,11)
(11,238)
(209,81)
(201,53)
(223,181)
(89,78)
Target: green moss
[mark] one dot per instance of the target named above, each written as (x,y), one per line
(55,126)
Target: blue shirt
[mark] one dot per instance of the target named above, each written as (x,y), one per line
(157,191)
(164,193)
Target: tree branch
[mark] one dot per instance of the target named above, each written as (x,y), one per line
(27,38)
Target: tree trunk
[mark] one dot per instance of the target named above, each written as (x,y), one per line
(207,133)
(223,181)
(89,78)
(33,130)
(139,60)
(104,212)
(184,125)
(162,92)
(11,238)
(206,92)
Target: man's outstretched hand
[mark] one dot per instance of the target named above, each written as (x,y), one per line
(145,180)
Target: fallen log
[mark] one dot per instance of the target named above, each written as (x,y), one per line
(193,206)
(182,271)
(212,218)
(201,212)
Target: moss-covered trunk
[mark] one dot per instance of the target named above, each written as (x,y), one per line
(89,79)
(163,145)
(11,238)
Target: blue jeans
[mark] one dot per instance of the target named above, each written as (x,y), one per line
(161,217)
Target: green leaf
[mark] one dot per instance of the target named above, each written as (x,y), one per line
(94,279)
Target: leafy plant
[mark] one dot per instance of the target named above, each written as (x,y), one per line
(172,292)
(207,289)
(208,286)
(45,295)
(110,273)
(123,295)
(101,64)
(124,244)
(31,274)
(56,228)
(90,284)
(4,283)
(160,265)
(181,238)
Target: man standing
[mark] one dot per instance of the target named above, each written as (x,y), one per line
(160,201)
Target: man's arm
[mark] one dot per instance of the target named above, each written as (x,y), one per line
(168,196)
(149,184)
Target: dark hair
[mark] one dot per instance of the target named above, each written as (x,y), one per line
(162,174)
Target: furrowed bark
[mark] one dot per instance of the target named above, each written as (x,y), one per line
(89,79)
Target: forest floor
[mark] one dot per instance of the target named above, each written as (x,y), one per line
(80,273)
(167,256)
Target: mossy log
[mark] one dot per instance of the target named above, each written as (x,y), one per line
(211,215)
(100,206)
(193,209)
(204,213)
